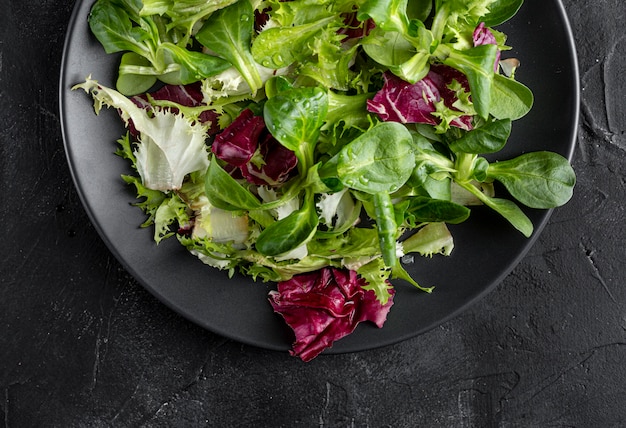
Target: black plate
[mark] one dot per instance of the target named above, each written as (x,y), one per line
(487,248)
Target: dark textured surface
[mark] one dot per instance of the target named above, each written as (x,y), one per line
(82,344)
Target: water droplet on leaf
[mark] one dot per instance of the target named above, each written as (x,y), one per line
(278,59)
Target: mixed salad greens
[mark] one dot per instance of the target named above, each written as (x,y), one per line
(315,143)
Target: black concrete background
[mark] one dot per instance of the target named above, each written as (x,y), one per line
(83,345)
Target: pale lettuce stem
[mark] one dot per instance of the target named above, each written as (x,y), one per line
(464,167)
(439,22)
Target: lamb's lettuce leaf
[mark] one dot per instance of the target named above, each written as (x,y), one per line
(228,33)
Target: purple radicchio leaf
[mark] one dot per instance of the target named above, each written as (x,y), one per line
(444,76)
(238,142)
(251,152)
(401,101)
(324,306)
(277,163)
(483,36)
(187,96)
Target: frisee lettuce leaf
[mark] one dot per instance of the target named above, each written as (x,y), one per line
(170,146)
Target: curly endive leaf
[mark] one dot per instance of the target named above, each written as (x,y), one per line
(170,146)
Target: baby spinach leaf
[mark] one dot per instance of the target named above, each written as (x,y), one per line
(194,66)
(228,33)
(290,232)
(380,160)
(510,99)
(507,209)
(422,183)
(428,210)
(433,170)
(538,179)
(294,117)
(419,9)
(133,83)
(510,211)
(477,64)
(501,11)
(178,66)
(398,42)
(114,29)
(134,7)
(388,48)
(389,15)
(393,50)
(276,85)
(225,192)
(489,138)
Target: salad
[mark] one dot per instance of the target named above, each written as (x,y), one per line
(320,144)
